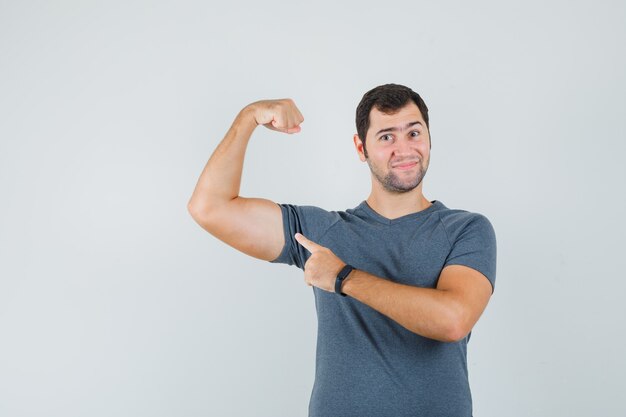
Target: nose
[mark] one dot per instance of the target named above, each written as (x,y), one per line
(405,146)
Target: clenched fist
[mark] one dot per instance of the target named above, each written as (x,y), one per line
(281,115)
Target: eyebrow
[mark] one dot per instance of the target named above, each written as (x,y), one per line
(393,129)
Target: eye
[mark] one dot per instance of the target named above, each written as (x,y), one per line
(415,133)
(383,137)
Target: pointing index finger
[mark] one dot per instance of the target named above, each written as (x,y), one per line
(307,243)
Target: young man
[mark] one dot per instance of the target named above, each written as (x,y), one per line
(399,281)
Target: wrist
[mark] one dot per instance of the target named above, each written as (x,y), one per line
(348,283)
(342,277)
(246,117)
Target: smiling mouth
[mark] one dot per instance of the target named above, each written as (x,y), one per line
(405,166)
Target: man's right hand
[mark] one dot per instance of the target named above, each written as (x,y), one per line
(253,226)
(281,115)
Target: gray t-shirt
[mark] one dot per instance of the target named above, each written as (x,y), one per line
(366,363)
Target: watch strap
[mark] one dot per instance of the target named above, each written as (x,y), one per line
(345,271)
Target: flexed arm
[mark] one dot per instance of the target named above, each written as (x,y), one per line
(251,225)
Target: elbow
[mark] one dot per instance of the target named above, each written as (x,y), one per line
(203,209)
(201,215)
(455,333)
(200,209)
(193,211)
(454,329)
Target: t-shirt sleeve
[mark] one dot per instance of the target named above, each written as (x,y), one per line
(475,246)
(311,221)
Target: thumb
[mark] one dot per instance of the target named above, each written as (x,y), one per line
(276,125)
(294,129)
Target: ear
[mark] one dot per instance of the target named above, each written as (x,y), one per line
(358,144)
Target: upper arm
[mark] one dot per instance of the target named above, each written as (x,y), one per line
(253,226)
(471,291)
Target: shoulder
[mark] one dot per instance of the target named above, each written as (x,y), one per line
(460,223)
(472,241)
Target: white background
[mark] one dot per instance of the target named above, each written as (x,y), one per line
(114,302)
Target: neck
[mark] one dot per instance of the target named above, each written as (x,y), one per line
(394,205)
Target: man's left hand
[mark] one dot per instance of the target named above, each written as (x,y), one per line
(322,267)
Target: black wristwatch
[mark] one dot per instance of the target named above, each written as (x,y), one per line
(341,277)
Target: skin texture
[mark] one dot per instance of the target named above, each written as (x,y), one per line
(251,225)
(396,192)
(409,145)
(254,226)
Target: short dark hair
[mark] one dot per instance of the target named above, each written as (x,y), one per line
(387,98)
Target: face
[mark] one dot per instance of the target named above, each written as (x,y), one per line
(398,148)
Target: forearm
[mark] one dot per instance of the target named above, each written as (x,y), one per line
(220,180)
(429,312)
